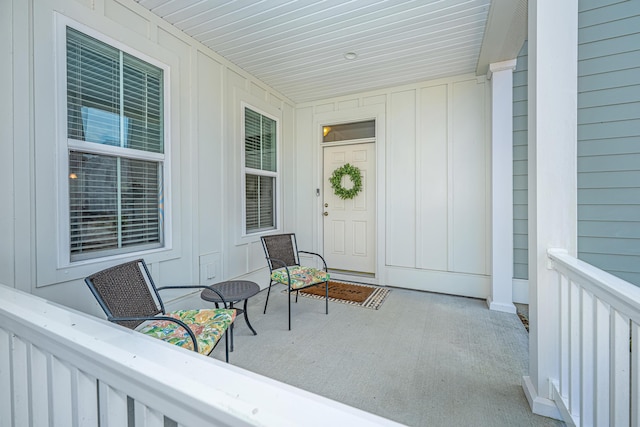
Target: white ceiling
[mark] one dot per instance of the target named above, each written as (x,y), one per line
(298,46)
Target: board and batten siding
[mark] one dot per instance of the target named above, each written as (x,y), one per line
(520,165)
(433,180)
(609,136)
(204,98)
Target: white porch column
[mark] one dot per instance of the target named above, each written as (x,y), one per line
(553,61)
(501,75)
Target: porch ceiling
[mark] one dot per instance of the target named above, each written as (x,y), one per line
(298,47)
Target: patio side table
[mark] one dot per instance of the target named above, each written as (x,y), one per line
(233,291)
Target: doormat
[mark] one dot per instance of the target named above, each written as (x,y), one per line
(360,295)
(522,310)
(524,319)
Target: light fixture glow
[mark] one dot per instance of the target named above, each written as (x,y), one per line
(326,130)
(350,56)
(72,175)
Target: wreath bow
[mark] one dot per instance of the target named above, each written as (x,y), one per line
(336,181)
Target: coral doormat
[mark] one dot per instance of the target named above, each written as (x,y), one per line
(366,296)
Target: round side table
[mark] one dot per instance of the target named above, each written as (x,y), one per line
(233,291)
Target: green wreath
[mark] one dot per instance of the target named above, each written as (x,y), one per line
(336,181)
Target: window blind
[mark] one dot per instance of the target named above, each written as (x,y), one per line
(260,171)
(142,92)
(115,99)
(260,192)
(93,88)
(260,141)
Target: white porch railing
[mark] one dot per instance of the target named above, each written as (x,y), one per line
(64,368)
(599,366)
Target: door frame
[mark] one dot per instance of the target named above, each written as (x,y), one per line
(371,112)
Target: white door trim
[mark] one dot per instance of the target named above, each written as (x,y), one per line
(371,112)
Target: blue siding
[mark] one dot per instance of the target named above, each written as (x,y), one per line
(609,136)
(608,141)
(520,222)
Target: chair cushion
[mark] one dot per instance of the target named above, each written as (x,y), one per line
(301,276)
(208,325)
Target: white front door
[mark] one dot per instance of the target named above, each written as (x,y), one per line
(349,225)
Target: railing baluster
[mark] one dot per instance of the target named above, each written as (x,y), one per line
(565,336)
(20,381)
(635,374)
(40,390)
(620,392)
(587,370)
(61,410)
(5,380)
(147,417)
(574,348)
(113,406)
(602,362)
(85,396)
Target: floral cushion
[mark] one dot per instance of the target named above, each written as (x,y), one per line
(301,276)
(208,325)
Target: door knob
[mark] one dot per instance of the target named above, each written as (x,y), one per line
(325,213)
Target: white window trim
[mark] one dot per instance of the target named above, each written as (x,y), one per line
(244,170)
(65,144)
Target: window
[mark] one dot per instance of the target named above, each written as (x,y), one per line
(115,142)
(349,131)
(260,171)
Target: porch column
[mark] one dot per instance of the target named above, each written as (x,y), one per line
(553,62)
(501,75)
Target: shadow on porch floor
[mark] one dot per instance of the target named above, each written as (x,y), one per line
(422,359)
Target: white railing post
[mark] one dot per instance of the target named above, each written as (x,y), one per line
(501,75)
(552,181)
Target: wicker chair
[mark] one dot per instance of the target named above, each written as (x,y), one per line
(283,259)
(129,297)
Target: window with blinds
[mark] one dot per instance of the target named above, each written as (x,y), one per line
(260,168)
(115,138)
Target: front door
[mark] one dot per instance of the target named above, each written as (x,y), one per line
(349,225)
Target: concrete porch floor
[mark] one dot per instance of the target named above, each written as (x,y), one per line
(422,359)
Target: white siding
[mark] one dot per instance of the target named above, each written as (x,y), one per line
(433,221)
(401,180)
(206,91)
(469,188)
(433,179)
(6,146)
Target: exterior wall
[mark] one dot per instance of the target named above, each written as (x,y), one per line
(609,137)
(608,141)
(205,95)
(7,253)
(433,181)
(520,165)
